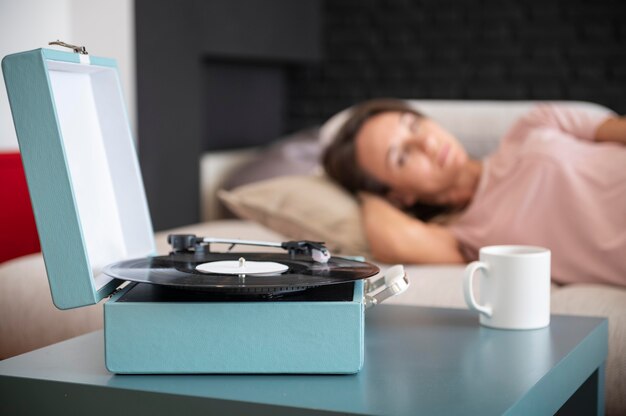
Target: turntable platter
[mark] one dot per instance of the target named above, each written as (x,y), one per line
(179,270)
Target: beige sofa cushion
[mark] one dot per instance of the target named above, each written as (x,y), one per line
(28,318)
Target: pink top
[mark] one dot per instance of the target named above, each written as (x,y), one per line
(549,185)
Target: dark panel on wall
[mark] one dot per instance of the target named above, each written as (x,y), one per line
(246,45)
(168,99)
(463,49)
(284,30)
(245,104)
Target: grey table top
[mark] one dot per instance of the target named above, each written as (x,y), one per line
(417,361)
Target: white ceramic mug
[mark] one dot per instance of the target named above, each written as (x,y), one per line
(514,287)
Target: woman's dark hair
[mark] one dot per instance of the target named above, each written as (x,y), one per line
(339,157)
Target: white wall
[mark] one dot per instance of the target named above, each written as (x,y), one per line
(105,27)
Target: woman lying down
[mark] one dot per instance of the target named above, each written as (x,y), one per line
(557,180)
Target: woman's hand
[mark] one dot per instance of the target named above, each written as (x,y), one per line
(395,237)
(613,129)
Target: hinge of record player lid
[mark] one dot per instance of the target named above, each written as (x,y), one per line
(380,288)
(78,49)
(118,289)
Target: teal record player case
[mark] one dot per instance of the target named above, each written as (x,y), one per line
(91,210)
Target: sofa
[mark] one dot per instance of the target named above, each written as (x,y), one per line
(29,320)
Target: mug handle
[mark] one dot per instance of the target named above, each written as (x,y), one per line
(468,277)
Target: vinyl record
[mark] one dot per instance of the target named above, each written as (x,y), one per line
(179,270)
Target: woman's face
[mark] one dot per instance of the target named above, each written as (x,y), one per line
(412,155)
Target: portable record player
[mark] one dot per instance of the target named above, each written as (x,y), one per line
(193,310)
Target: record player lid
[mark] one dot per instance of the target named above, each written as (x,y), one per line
(81,168)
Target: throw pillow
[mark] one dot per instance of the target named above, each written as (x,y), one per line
(303,208)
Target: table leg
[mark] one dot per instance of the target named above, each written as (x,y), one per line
(589,398)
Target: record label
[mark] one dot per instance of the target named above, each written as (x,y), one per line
(239,267)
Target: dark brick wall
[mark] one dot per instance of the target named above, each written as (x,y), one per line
(463,49)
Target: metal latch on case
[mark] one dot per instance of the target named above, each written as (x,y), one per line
(78,49)
(380,288)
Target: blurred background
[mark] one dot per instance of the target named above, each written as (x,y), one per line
(212,76)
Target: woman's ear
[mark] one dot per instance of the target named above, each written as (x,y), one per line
(401,199)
